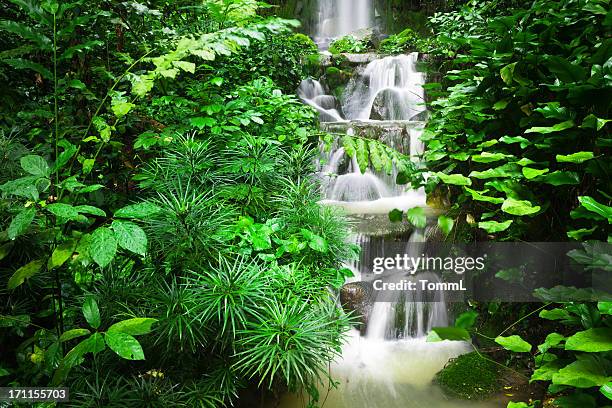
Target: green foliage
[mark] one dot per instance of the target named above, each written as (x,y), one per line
(349,44)
(405,42)
(469,376)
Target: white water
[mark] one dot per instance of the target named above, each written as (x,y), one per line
(338,18)
(393,83)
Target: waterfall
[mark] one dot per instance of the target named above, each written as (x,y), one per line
(338,18)
(388,89)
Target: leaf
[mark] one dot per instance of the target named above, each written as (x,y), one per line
(486,157)
(578,157)
(63,210)
(593,122)
(479,196)
(584,373)
(42,41)
(446,224)
(454,179)
(139,211)
(185,66)
(530,173)
(124,345)
(507,73)
(89,209)
(552,340)
(555,314)
(91,312)
(120,109)
(20,63)
(551,129)
(510,274)
(565,70)
(592,205)
(416,216)
(25,272)
(448,333)
(560,178)
(579,234)
(61,254)
(73,334)
(591,341)
(134,327)
(605,308)
(519,207)
(606,390)
(103,246)
(130,236)
(396,215)
(35,165)
(546,371)
(466,319)
(494,226)
(513,343)
(93,344)
(202,122)
(20,224)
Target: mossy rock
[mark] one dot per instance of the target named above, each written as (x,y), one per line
(469,376)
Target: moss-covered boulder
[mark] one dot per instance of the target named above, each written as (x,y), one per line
(469,376)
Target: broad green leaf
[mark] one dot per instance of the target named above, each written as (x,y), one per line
(583,373)
(530,173)
(133,327)
(507,73)
(139,211)
(555,314)
(25,272)
(202,122)
(560,178)
(396,215)
(35,165)
(185,66)
(90,209)
(605,308)
(63,211)
(103,246)
(551,129)
(506,170)
(318,243)
(578,157)
(448,333)
(120,109)
(466,319)
(454,179)
(61,254)
(513,343)
(20,224)
(93,344)
(591,341)
(416,216)
(486,157)
(73,334)
(592,205)
(494,226)
(593,122)
(552,340)
(579,234)
(565,70)
(479,196)
(91,312)
(606,390)
(523,142)
(519,207)
(510,274)
(124,345)
(130,236)
(446,224)
(512,404)
(546,371)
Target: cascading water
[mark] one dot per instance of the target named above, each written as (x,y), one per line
(389,364)
(341,17)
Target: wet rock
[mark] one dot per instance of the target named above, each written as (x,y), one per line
(384,104)
(356,298)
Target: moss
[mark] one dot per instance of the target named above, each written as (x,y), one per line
(469,376)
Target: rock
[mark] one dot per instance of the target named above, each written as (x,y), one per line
(355,297)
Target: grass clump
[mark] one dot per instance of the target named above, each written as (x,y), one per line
(469,376)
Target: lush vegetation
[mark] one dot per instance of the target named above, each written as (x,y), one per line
(520,140)
(160,237)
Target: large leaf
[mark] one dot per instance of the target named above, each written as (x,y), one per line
(454,179)
(513,343)
(73,334)
(35,165)
(103,246)
(519,207)
(20,63)
(91,312)
(21,222)
(591,341)
(130,236)
(494,226)
(565,70)
(592,205)
(66,211)
(140,211)
(448,333)
(416,216)
(445,224)
(551,129)
(124,345)
(578,157)
(133,327)
(587,372)
(466,319)
(61,254)
(25,272)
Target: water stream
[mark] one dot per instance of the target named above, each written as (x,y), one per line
(389,364)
